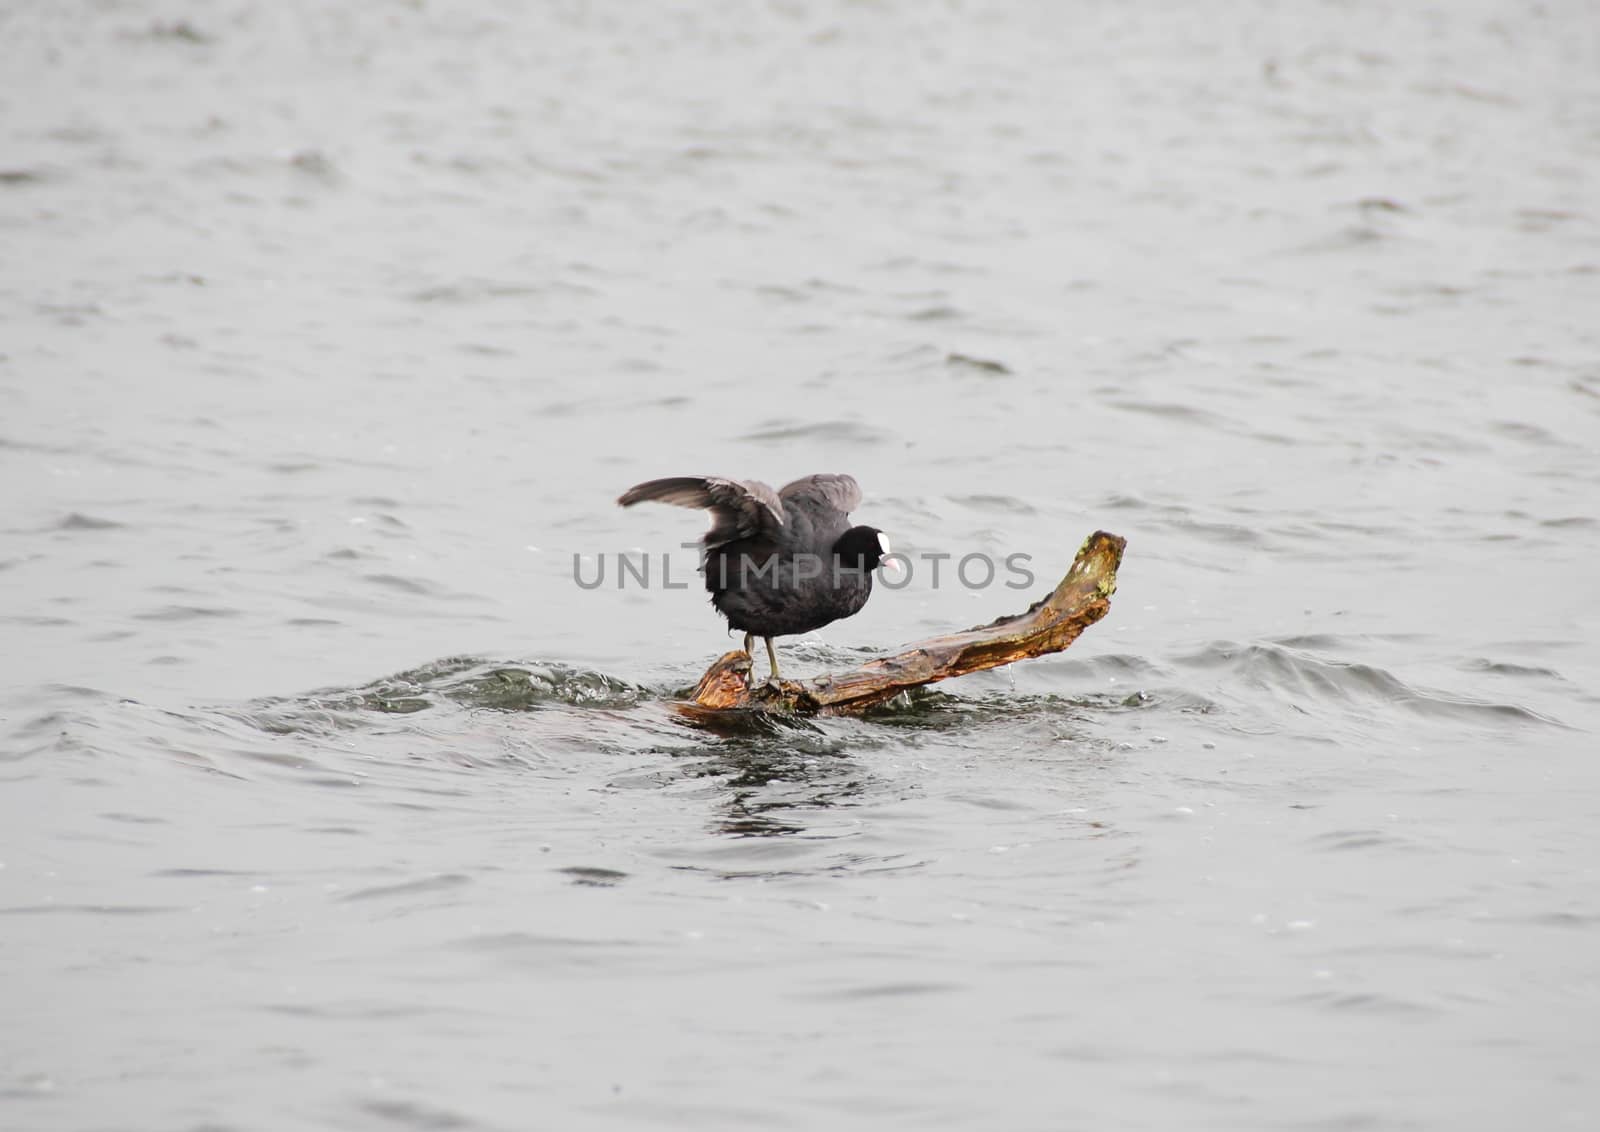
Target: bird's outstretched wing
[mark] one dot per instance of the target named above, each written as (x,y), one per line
(739,508)
(841,492)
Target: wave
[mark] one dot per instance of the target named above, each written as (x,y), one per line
(462,682)
(1285,670)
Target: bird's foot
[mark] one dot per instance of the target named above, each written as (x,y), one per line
(768,689)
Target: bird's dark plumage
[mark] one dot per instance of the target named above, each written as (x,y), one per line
(739,509)
(778,562)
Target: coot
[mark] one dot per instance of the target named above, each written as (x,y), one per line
(778,562)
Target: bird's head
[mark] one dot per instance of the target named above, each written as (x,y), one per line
(864,549)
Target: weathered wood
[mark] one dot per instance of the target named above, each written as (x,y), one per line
(1050,625)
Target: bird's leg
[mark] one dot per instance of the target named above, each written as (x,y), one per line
(750,674)
(772,655)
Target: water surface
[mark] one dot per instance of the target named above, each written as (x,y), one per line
(329,335)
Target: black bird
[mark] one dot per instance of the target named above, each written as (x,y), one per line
(778,562)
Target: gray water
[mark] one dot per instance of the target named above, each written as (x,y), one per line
(329,333)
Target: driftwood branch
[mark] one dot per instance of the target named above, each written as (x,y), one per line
(1050,625)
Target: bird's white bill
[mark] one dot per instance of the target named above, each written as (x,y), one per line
(884,552)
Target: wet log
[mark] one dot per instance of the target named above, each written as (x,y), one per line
(1050,625)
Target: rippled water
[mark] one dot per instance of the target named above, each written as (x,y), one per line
(329,333)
